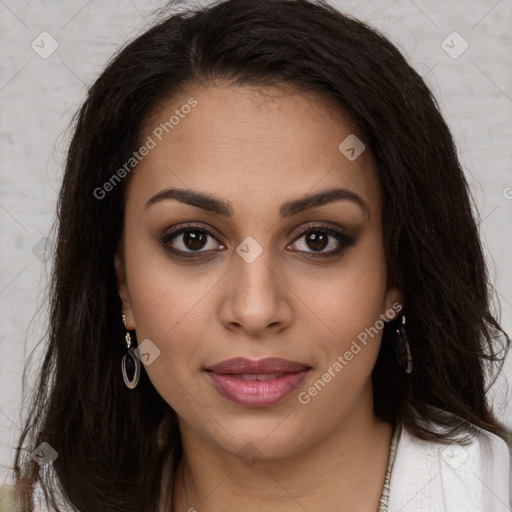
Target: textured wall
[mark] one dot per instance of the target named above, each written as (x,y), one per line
(51,51)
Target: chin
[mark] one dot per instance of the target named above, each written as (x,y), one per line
(264,439)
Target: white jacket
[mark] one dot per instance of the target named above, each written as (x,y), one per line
(432,477)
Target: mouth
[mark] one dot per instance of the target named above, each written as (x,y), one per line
(256,383)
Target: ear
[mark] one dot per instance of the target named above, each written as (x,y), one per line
(394,302)
(122,290)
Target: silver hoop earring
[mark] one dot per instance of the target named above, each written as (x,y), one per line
(403,350)
(130,363)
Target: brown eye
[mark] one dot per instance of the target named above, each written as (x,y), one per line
(189,240)
(194,240)
(317,240)
(323,240)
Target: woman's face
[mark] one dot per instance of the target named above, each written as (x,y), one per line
(222,269)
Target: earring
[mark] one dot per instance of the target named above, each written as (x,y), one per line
(403,350)
(131,363)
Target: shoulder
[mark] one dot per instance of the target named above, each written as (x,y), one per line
(429,475)
(7,501)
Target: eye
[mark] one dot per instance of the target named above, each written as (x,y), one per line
(189,239)
(318,238)
(194,241)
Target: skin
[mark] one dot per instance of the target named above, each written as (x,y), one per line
(258,148)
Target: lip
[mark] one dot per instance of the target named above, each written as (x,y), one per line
(238,379)
(238,365)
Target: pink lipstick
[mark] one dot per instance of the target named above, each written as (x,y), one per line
(256,383)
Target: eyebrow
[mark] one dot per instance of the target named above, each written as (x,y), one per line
(212,204)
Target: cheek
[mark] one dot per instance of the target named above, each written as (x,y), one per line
(172,318)
(354,297)
(351,309)
(347,354)
(170,307)
(166,296)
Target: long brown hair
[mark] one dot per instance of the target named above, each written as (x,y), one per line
(113,443)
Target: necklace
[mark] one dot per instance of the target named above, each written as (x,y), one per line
(384,497)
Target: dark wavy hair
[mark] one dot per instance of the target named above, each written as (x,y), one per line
(114,444)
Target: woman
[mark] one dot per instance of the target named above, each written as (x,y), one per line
(269,292)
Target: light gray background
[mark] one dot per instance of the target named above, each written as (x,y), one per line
(39,96)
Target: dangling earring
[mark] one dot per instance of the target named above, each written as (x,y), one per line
(133,362)
(403,350)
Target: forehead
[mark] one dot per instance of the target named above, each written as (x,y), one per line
(249,144)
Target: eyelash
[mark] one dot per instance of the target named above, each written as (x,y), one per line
(344,240)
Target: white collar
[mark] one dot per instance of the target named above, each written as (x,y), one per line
(431,477)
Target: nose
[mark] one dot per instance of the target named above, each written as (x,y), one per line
(257,299)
